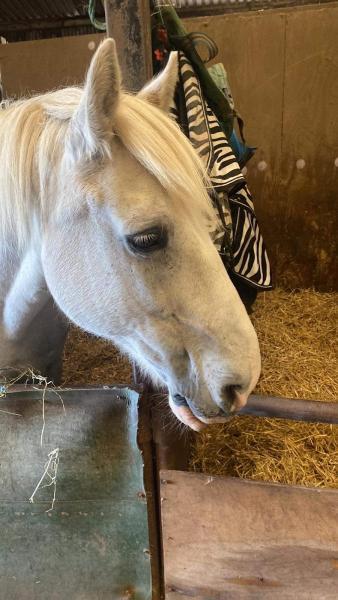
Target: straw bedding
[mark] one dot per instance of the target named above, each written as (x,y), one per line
(88,360)
(297,333)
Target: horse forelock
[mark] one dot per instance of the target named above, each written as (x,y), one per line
(157,142)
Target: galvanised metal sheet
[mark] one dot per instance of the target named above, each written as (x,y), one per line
(23,11)
(94,544)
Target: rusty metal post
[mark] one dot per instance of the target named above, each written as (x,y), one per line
(128,22)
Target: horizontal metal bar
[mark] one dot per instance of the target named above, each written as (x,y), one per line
(287,408)
(312,411)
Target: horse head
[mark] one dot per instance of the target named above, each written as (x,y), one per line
(126,248)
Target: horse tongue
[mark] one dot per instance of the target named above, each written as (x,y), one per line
(184,414)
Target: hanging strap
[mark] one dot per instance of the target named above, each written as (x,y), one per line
(97,23)
(204,40)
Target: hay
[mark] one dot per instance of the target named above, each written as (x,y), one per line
(297,338)
(297,333)
(49,476)
(88,360)
(8,380)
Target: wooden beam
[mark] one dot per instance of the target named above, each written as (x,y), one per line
(128,22)
(151,487)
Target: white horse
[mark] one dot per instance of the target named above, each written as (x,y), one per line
(104,219)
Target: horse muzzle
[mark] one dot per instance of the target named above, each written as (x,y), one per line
(188,413)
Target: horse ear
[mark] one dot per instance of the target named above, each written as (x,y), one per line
(160,90)
(92,124)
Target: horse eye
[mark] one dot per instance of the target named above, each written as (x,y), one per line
(147,241)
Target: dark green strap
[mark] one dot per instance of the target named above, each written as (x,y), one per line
(204,40)
(97,23)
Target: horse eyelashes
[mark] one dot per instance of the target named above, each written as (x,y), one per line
(148,241)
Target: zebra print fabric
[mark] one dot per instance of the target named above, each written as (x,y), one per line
(237,235)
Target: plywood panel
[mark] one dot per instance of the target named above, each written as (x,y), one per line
(42,65)
(251,46)
(229,539)
(310,133)
(282,67)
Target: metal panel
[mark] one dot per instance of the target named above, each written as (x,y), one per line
(94,544)
(26,10)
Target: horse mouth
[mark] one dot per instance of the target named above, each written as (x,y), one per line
(181,407)
(186,412)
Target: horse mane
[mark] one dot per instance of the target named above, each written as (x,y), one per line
(33,135)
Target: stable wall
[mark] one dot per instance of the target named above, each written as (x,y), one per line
(42,65)
(283,71)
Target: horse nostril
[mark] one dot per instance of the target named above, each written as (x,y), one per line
(233,397)
(229,391)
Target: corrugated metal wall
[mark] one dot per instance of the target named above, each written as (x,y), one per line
(27,35)
(47,10)
(25,20)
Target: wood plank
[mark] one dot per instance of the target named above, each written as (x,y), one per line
(230,539)
(128,22)
(308,208)
(43,65)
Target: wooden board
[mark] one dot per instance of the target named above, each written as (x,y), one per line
(94,544)
(230,539)
(43,65)
(251,46)
(308,206)
(133,49)
(283,71)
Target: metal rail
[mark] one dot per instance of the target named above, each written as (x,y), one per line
(296,409)
(312,411)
